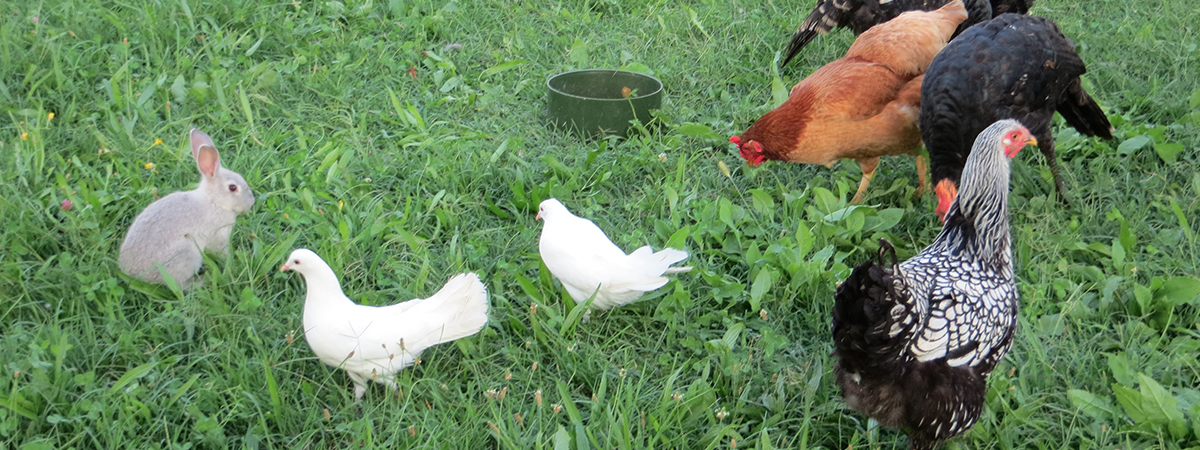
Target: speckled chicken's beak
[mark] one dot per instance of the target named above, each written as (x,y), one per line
(1032,141)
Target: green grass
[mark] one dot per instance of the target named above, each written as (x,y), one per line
(401,182)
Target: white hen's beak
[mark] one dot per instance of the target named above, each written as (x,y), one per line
(285,267)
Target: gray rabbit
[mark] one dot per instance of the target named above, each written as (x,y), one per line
(174,230)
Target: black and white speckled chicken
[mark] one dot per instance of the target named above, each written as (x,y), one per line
(860,15)
(1011,67)
(915,341)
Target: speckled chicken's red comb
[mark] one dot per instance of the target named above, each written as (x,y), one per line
(735,140)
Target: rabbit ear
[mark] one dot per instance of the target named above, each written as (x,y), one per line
(207,158)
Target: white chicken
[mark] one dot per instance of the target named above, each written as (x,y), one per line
(376,342)
(587,262)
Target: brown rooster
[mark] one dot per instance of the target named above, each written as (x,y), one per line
(862,106)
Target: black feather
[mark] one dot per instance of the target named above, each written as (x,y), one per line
(861,316)
(1011,6)
(1011,67)
(861,15)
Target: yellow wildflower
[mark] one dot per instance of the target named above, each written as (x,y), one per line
(50,116)
(24,136)
(149,166)
(158,142)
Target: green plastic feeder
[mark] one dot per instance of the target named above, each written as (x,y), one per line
(601,102)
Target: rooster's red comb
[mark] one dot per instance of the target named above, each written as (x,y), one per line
(735,140)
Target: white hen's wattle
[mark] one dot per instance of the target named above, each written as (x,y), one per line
(375,342)
(587,262)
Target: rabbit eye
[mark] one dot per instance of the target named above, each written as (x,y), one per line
(233,188)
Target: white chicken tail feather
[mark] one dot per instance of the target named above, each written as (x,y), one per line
(639,286)
(679,269)
(657,263)
(462,305)
(646,272)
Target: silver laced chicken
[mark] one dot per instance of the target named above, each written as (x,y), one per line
(915,341)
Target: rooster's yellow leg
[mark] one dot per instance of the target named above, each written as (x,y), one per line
(868,170)
(922,174)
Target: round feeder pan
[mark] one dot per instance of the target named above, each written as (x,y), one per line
(601,102)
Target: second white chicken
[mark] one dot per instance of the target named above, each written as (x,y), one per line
(587,262)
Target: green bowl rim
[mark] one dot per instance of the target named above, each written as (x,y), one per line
(565,94)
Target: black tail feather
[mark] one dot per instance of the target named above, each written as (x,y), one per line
(827,15)
(887,250)
(1011,6)
(799,40)
(862,317)
(1081,111)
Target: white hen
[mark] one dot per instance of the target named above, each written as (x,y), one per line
(587,262)
(375,342)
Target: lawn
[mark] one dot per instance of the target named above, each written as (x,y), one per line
(403,159)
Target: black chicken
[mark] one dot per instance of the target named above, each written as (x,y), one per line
(1014,66)
(859,15)
(915,341)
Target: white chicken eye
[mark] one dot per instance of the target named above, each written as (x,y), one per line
(295,261)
